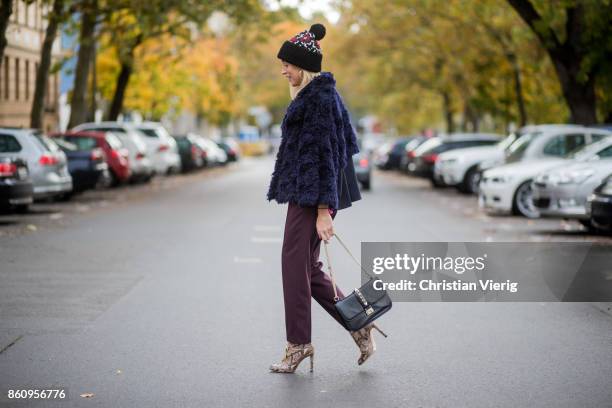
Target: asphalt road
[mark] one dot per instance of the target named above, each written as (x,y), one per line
(169,295)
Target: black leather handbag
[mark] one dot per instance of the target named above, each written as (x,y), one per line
(364,304)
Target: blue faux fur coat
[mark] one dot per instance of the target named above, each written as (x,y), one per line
(317,140)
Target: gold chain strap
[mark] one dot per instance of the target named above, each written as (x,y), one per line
(329,267)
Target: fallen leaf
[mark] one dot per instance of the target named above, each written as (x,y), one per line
(87,395)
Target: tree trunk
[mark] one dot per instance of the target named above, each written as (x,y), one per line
(42,74)
(448,113)
(120,87)
(580,96)
(518,88)
(78,105)
(567,58)
(94,86)
(6,9)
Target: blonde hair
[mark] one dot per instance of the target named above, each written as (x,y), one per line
(307,76)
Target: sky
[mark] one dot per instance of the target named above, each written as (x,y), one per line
(308,7)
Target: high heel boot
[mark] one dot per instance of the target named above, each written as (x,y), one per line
(365,341)
(294,354)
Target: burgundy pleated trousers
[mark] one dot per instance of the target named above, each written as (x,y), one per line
(303,277)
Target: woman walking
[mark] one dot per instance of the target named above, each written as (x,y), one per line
(317,143)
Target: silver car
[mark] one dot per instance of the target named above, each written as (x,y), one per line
(133,140)
(162,148)
(562,192)
(47,163)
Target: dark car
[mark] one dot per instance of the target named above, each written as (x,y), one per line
(599,205)
(16,188)
(191,153)
(363,166)
(390,160)
(87,167)
(408,154)
(231,148)
(425,155)
(115,154)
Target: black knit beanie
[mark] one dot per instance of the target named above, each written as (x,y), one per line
(303,49)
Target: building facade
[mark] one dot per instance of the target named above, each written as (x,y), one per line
(25,35)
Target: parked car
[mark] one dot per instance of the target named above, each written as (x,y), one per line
(215,156)
(531,141)
(372,141)
(599,206)
(16,188)
(115,154)
(140,164)
(162,148)
(363,166)
(46,162)
(192,155)
(231,148)
(87,167)
(426,155)
(562,191)
(459,167)
(390,155)
(409,149)
(507,188)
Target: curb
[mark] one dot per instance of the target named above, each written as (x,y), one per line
(604,307)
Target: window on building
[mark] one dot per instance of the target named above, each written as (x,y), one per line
(6,78)
(17,79)
(27,80)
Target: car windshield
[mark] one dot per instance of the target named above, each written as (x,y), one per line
(506,142)
(81,142)
(588,151)
(428,145)
(516,150)
(149,132)
(67,145)
(46,142)
(113,141)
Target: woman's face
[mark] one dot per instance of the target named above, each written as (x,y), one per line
(292,73)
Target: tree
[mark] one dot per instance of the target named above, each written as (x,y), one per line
(78,106)
(55,17)
(153,19)
(579,47)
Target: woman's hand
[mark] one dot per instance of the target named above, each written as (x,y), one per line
(325,227)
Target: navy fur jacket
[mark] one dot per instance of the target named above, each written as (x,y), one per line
(317,141)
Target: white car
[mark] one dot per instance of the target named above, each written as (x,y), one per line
(162,148)
(519,146)
(215,155)
(459,167)
(507,188)
(140,164)
(562,192)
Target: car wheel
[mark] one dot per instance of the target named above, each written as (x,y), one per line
(65,196)
(588,225)
(22,208)
(435,183)
(366,184)
(114,180)
(470,182)
(523,201)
